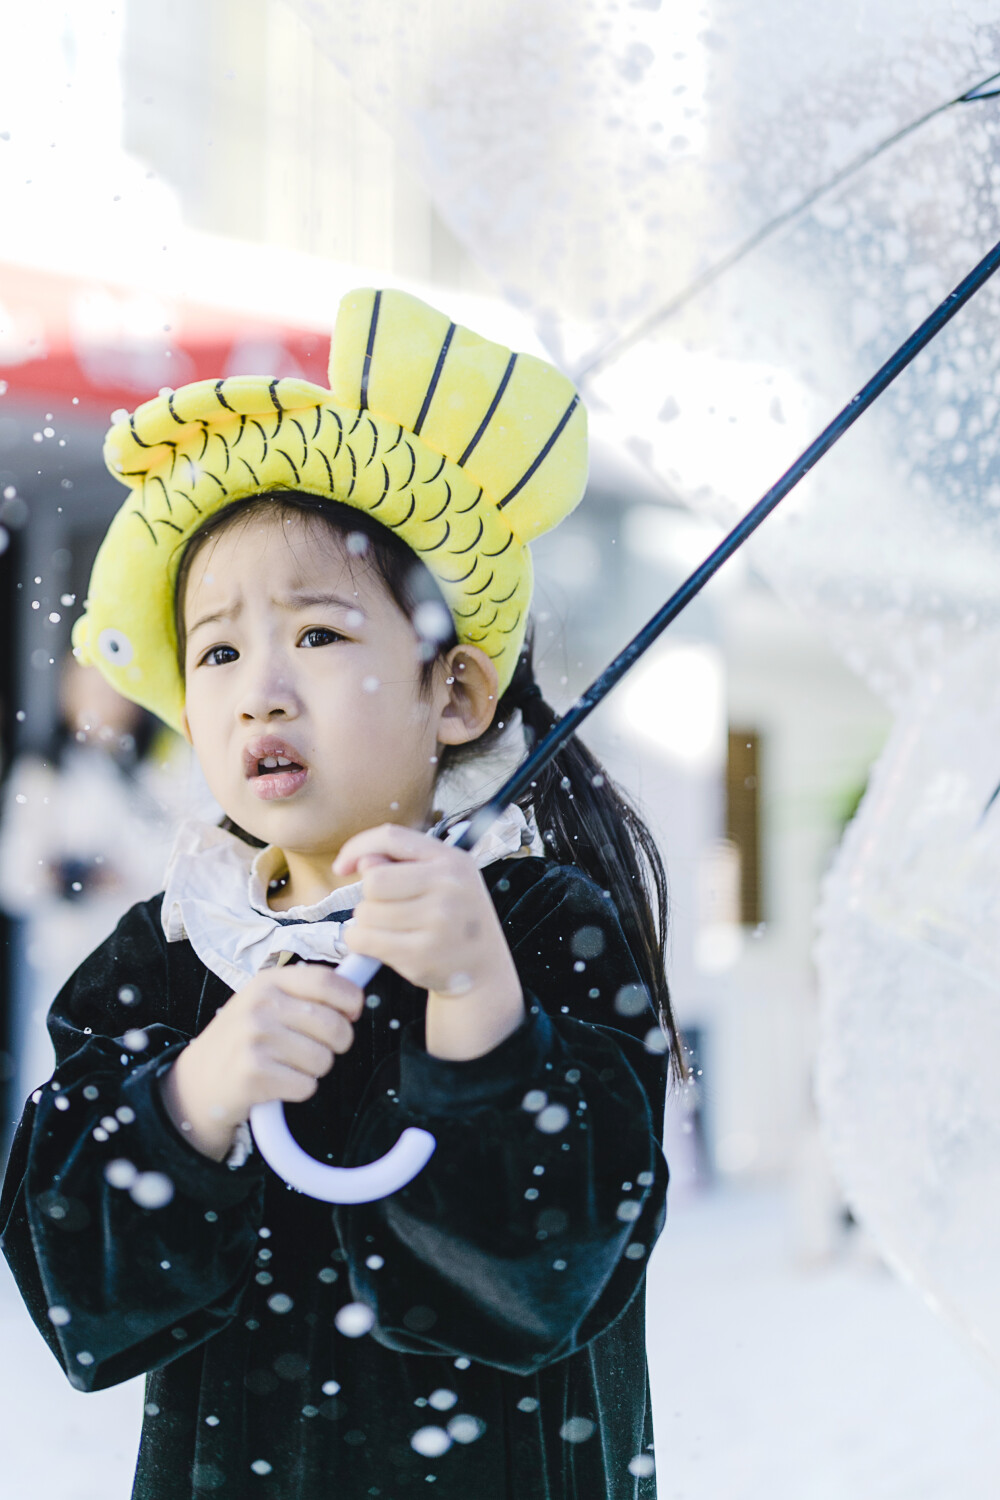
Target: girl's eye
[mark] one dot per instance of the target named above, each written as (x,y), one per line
(206,659)
(332,635)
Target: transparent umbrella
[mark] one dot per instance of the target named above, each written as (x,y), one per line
(722,220)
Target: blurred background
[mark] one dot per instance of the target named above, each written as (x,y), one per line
(188,189)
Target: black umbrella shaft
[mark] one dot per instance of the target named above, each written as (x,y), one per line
(560,732)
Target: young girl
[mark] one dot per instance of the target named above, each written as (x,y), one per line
(327,591)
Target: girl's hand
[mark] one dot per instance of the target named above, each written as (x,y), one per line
(426,912)
(274,1039)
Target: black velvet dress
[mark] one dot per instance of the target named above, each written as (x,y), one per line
(507,1281)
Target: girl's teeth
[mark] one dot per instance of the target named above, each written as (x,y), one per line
(272,762)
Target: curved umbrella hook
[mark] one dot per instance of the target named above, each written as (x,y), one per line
(376,1179)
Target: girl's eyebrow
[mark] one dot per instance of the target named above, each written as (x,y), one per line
(295,600)
(302,600)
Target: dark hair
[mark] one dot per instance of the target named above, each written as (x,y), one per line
(585,819)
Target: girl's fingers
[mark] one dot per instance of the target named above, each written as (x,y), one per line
(414,915)
(319,982)
(390,946)
(396,882)
(393,840)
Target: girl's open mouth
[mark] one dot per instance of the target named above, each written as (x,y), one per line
(272,773)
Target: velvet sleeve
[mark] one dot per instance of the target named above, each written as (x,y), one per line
(528,1232)
(128,1246)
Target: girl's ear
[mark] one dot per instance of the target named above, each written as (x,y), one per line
(471,684)
(185,726)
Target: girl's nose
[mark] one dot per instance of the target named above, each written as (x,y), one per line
(270,694)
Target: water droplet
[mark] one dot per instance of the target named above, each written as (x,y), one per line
(632,1000)
(354,1319)
(442,1399)
(374,1262)
(136,1040)
(576,1430)
(211,1421)
(431,1442)
(261,1466)
(587,942)
(655,1040)
(534,1100)
(331,1387)
(465,1429)
(370,684)
(628,1211)
(128,994)
(152,1190)
(527,1403)
(120,1173)
(84,1358)
(554,1117)
(280,1303)
(641,1466)
(59,1316)
(432,621)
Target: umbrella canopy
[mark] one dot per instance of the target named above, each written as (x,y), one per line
(910,966)
(722,221)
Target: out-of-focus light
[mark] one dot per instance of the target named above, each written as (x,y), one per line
(676,700)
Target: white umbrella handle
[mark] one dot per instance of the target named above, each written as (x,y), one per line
(376,1179)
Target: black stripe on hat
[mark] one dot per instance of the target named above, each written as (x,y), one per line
(519,486)
(366,367)
(493,406)
(429,397)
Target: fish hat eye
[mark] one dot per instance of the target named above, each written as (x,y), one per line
(465,450)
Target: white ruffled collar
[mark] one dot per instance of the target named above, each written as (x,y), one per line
(215,895)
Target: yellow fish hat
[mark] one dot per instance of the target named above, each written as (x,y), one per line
(463,449)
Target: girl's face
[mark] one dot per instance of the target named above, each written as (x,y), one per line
(291,640)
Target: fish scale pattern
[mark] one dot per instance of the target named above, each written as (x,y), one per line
(187,453)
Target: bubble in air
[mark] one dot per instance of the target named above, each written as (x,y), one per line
(152,1190)
(655,1040)
(261,1466)
(136,1040)
(431,1442)
(527,1403)
(331,1387)
(641,1466)
(370,684)
(354,1319)
(357,543)
(59,1316)
(280,1303)
(534,1100)
(442,1399)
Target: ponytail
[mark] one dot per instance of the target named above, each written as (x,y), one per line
(588,821)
